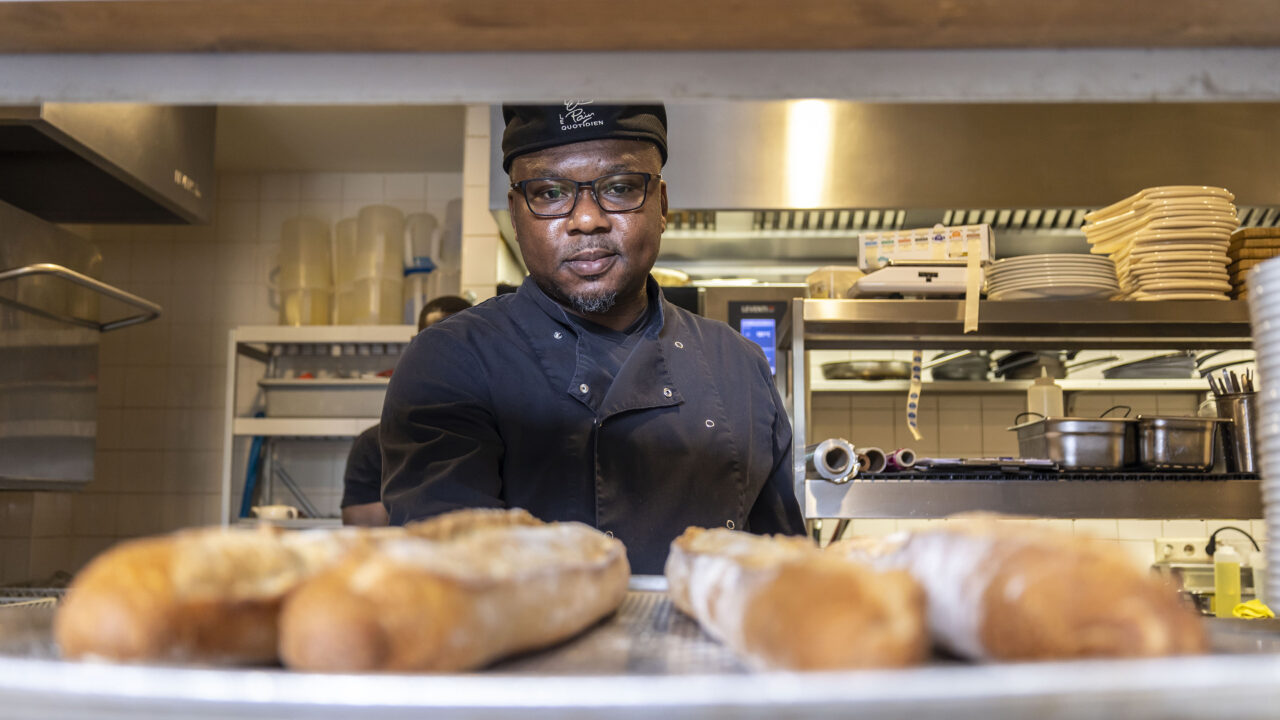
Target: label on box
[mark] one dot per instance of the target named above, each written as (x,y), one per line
(939,242)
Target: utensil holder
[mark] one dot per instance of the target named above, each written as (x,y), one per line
(1239,437)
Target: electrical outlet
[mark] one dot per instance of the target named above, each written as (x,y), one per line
(1182,550)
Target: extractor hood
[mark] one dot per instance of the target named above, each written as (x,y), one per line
(108,162)
(774,189)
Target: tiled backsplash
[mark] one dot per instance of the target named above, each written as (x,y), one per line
(162,385)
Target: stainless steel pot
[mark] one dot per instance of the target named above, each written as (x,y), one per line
(867,370)
(1176,443)
(1079,443)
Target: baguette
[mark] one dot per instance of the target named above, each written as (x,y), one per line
(420,605)
(781,603)
(209,595)
(453,525)
(1009,591)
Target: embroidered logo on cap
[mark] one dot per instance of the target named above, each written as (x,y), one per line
(575,116)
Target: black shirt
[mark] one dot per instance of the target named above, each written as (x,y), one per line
(362,480)
(510,405)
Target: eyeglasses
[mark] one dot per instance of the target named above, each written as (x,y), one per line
(557,197)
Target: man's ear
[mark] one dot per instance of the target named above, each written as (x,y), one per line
(662,194)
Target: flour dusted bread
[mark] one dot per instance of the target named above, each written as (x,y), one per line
(1011,591)
(207,596)
(420,605)
(782,603)
(455,524)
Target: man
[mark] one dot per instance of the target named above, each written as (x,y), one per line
(584,395)
(362,480)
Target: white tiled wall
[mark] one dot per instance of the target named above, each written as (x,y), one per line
(161,385)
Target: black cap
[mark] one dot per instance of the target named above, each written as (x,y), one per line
(536,127)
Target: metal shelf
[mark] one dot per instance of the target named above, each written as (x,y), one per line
(338,334)
(1056,325)
(1194,497)
(820,384)
(302,427)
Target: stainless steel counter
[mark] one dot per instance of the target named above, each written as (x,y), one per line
(649,661)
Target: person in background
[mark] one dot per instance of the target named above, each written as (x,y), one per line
(585,395)
(362,479)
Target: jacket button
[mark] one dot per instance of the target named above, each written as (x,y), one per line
(679,344)
(666,392)
(557,334)
(583,388)
(711,423)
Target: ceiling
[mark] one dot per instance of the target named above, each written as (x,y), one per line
(364,138)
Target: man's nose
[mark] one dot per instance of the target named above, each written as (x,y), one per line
(587,216)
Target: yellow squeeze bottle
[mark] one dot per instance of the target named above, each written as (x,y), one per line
(1226,581)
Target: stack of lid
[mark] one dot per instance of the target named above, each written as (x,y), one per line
(1250,246)
(1168,243)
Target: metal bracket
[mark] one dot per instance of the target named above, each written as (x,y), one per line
(150,310)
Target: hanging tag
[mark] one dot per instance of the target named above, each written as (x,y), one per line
(972,283)
(913,395)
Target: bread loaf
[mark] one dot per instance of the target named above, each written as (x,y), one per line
(461,522)
(420,605)
(782,603)
(1011,591)
(207,596)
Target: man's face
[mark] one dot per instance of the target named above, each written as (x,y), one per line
(590,259)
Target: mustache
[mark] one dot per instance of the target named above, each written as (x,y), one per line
(594,244)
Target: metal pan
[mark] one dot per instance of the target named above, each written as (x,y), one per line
(867,370)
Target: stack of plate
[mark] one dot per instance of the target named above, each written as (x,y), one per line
(1263,284)
(1169,242)
(1052,276)
(1250,246)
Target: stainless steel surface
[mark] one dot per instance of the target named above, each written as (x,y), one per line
(48,368)
(1070,325)
(1080,443)
(1239,436)
(108,162)
(1175,443)
(832,459)
(650,661)
(150,310)
(1158,499)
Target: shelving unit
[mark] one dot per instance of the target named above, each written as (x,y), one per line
(1064,325)
(280,350)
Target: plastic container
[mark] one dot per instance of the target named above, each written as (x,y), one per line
(327,398)
(305,306)
(371,302)
(344,247)
(1044,396)
(1226,580)
(305,258)
(422,240)
(833,281)
(379,244)
(418,290)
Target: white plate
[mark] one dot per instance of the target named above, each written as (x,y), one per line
(1057,280)
(1050,293)
(1140,250)
(1147,297)
(1150,286)
(1157,192)
(1205,256)
(1109,271)
(1046,259)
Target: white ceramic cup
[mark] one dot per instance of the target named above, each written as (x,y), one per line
(275,512)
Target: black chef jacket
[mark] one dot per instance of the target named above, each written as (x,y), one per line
(362,478)
(499,407)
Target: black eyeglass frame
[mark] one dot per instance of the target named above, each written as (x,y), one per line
(577,192)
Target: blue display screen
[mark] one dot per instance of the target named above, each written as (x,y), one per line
(763,332)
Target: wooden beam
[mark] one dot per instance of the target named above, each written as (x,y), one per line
(133,26)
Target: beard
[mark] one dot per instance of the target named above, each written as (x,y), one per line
(593,304)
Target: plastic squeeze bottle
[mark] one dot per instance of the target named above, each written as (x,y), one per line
(1226,580)
(1044,397)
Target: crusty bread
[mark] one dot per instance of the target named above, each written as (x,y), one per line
(460,522)
(781,603)
(209,595)
(420,605)
(1013,591)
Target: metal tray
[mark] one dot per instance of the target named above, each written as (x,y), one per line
(651,661)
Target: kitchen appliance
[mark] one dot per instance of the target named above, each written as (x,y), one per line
(108,162)
(755,310)
(915,278)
